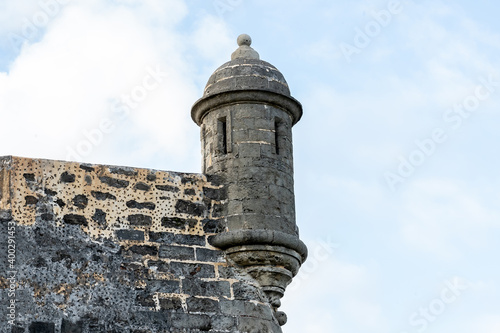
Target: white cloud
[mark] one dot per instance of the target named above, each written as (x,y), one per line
(14,13)
(93,53)
(440,217)
(487,323)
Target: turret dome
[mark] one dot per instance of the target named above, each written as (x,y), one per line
(246,71)
(245,75)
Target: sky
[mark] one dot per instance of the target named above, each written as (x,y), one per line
(396,166)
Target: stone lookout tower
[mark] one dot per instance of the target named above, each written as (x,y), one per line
(97,248)
(246,116)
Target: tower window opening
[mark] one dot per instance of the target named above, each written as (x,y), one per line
(278,134)
(222,130)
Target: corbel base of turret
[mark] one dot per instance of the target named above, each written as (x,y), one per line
(271,258)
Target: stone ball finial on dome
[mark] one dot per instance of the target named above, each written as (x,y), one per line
(244,39)
(245,51)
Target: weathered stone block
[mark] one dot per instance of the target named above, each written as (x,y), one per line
(140,220)
(126,171)
(71,327)
(128,234)
(172,238)
(247,309)
(80,201)
(99,216)
(206,288)
(208,255)
(18,329)
(41,327)
(223,323)
(113,182)
(102,195)
(144,250)
(213,226)
(205,305)
(163,286)
(215,193)
(67,177)
(244,291)
(192,270)
(177,222)
(140,205)
(176,252)
(253,325)
(75,219)
(191,208)
(167,188)
(142,186)
(158,265)
(187,321)
(170,303)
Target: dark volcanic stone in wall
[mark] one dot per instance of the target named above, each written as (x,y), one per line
(87,168)
(213,226)
(191,321)
(118,183)
(167,188)
(190,191)
(67,177)
(18,329)
(177,222)
(127,234)
(71,327)
(49,192)
(176,252)
(30,177)
(75,219)
(159,265)
(99,216)
(145,300)
(192,270)
(144,249)
(30,200)
(80,201)
(142,186)
(172,238)
(140,205)
(191,208)
(206,288)
(102,195)
(163,286)
(41,327)
(215,194)
(209,255)
(140,219)
(196,304)
(170,303)
(5,215)
(123,171)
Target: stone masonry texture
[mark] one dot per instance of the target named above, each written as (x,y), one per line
(95,248)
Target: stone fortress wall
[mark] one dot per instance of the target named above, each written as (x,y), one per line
(115,249)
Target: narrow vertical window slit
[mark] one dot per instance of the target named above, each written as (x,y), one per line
(277,135)
(222,127)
